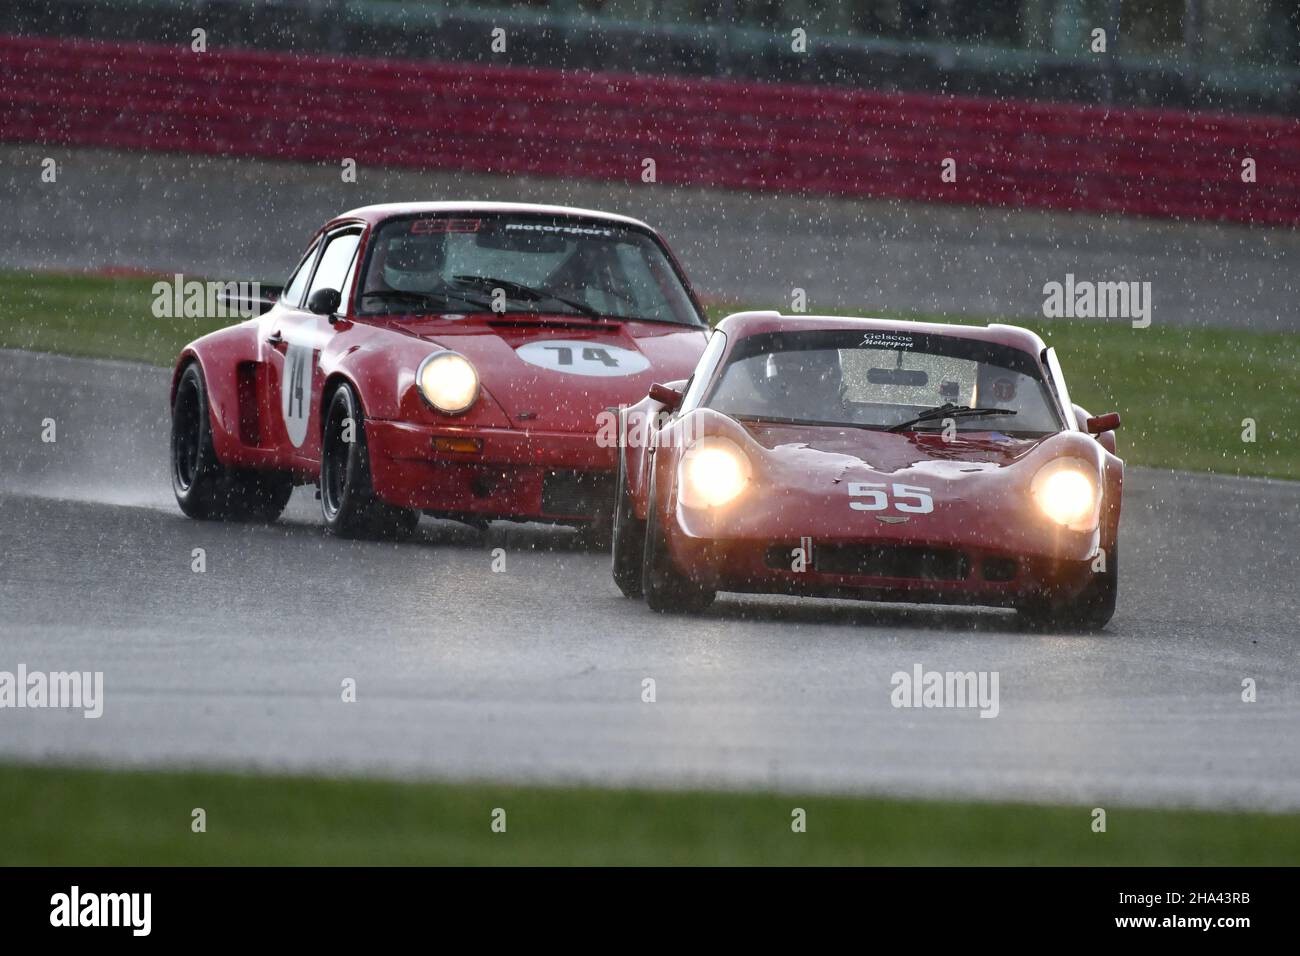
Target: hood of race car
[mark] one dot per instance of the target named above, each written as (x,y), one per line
(885,453)
(558,373)
(852,483)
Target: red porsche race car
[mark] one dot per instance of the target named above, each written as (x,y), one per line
(848,457)
(447,358)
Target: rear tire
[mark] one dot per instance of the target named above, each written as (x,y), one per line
(666,589)
(1090,611)
(347,498)
(628,545)
(205,489)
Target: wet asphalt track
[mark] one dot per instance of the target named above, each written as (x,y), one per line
(536,673)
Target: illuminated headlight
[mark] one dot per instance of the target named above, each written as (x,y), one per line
(448,382)
(711,473)
(1066,492)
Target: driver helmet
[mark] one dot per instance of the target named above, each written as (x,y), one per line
(805,377)
(414,263)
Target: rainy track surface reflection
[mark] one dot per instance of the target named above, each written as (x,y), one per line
(535,673)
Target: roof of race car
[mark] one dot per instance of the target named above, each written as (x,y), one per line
(380,212)
(741,324)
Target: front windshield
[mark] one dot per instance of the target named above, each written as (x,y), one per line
(521,264)
(884,379)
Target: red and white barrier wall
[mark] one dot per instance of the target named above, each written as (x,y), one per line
(700,132)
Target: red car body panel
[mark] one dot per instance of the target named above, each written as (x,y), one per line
(1002,548)
(531,421)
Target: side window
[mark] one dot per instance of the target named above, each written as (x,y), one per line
(348,279)
(335,262)
(297,283)
(704,370)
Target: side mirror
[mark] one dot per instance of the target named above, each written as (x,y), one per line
(1103,423)
(324,301)
(669,398)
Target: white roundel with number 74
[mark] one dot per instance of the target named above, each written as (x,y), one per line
(877,496)
(594,359)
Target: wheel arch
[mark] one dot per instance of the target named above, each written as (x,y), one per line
(635,430)
(216,354)
(332,381)
(1112,498)
(189,356)
(222,405)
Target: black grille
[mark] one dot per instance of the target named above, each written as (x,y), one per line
(999,569)
(879,561)
(578,494)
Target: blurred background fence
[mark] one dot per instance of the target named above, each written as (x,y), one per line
(1228,55)
(720,132)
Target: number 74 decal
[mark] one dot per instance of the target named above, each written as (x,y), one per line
(909,498)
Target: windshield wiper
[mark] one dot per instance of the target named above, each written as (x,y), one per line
(949,410)
(517,290)
(782,420)
(398,295)
(430,300)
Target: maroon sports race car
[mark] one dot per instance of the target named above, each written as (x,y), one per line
(845,457)
(447,358)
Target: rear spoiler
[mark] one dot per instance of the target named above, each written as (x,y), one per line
(240,297)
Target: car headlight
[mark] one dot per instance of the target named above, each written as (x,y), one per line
(711,473)
(1066,492)
(448,382)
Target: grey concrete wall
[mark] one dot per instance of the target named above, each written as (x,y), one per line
(241,218)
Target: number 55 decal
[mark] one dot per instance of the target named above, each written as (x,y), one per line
(909,498)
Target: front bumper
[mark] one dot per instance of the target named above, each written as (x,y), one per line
(989,553)
(526,475)
(874,569)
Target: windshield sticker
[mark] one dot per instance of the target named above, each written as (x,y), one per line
(424,227)
(559,230)
(1004,389)
(592,359)
(887,340)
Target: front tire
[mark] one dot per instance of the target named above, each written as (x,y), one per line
(666,589)
(628,545)
(205,489)
(1091,610)
(347,498)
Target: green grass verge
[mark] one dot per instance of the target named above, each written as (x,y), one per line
(92,316)
(1183,393)
(84,817)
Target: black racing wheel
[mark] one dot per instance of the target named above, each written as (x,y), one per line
(666,589)
(348,502)
(205,489)
(1091,610)
(628,545)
